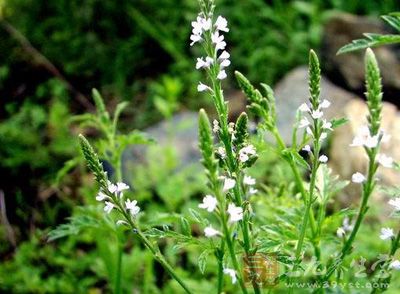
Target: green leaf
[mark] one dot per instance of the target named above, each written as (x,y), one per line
(202,260)
(392,20)
(241,128)
(196,216)
(339,122)
(75,225)
(185,227)
(314,72)
(101,108)
(371,40)
(68,166)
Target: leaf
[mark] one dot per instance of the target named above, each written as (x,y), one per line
(118,110)
(197,217)
(371,40)
(202,260)
(339,122)
(393,21)
(75,225)
(185,227)
(68,166)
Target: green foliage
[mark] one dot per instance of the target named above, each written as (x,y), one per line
(314,79)
(375,40)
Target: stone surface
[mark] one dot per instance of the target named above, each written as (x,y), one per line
(346,160)
(292,91)
(348,69)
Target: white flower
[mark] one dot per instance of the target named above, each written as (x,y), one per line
(221,75)
(386,233)
(211,232)
(304,108)
(195,39)
(201,87)
(225,63)
(232,273)
(252,191)
(218,40)
(132,207)
(304,123)
(340,232)
(235,213)
(327,125)
(198,25)
(201,63)
(307,148)
(246,152)
(323,159)
(206,24)
(224,55)
(101,196)
(371,142)
(118,187)
(247,180)
(384,160)
(395,203)
(222,24)
(357,178)
(385,137)
(228,184)
(109,206)
(395,265)
(323,136)
(231,128)
(346,225)
(221,152)
(325,104)
(209,203)
(360,139)
(316,114)
(309,131)
(216,127)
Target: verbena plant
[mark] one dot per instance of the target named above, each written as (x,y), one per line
(233,232)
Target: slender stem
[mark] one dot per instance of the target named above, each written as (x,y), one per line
(119,268)
(220,260)
(367,191)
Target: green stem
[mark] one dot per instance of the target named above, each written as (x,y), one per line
(119,268)
(220,260)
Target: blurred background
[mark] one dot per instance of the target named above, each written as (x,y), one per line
(52,53)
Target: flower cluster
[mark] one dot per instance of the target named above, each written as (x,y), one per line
(318,128)
(115,193)
(364,139)
(203,30)
(346,227)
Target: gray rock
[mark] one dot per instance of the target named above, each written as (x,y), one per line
(292,91)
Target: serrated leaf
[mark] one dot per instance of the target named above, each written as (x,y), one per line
(196,216)
(393,21)
(75,225)
(339,122)
(202,260)
(371,40)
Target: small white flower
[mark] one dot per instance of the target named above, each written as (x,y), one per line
(316,114)
(132,207)
(325,104)
(198,25)
(309,131)
(118,187)
(222,75)
(222,24)
(228,184)
(101,196)
(225,63)
(109,206)
(235,213)
(304,123)
(201,63)
(395,265)
(232,273)
(218,40)
(211,232)
(206,24)
(247,180)
(357,178)
(216,127)
(224,55)
(221,152)
(231,128)
(395,203)
(304,108)
(307,148)
(323,136)
(253,191)
(386,233)
(384,160)
(346,225)
(201,87)
(340,232)
(195,39)
(371,142)
(246,152)
(327,125)
(323,159)
(385,137)
(209,203)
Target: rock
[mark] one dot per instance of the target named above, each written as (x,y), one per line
(347,69)
(346,160)
(292,91)
(180,133)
